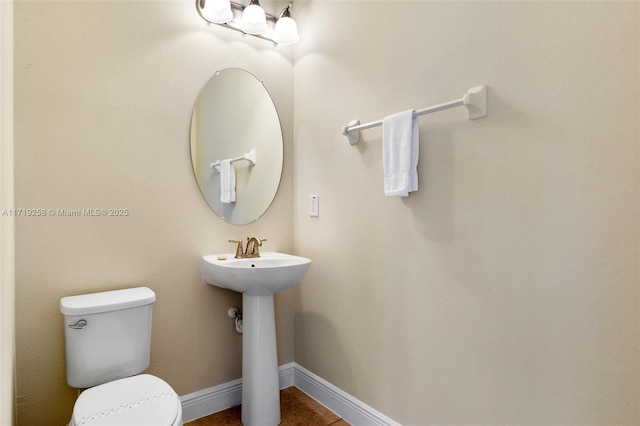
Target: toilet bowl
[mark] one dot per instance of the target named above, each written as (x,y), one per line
(142,400)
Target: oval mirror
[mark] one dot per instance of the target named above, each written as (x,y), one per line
(236,146)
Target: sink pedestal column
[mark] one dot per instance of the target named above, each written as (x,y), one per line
(260,379)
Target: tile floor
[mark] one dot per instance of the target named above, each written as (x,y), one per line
(297,408)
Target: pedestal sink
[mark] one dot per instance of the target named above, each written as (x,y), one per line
(257,279)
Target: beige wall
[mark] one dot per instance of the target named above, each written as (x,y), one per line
(7,233)
(103,99)
(505,291)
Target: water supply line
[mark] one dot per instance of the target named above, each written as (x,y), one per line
(235,313)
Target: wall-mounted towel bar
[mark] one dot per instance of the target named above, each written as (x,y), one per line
(475,100)
(249,156)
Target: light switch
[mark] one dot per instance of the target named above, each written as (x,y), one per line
(314,205)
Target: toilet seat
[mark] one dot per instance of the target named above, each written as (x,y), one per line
(142,400)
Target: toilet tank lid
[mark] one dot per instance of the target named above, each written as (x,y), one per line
(106,301)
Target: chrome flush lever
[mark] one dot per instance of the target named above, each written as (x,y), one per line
(79,325)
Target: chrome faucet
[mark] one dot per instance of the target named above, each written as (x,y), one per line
(253,247)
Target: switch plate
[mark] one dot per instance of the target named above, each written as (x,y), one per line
(314,205)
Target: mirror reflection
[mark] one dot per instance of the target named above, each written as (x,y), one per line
(236,146)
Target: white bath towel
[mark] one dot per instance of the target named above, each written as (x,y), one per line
(400,150)
(227,182)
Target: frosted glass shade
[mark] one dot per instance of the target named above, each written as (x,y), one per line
(254,20)
(218,11)
(286,31)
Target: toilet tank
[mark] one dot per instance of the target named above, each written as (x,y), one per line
(107,335)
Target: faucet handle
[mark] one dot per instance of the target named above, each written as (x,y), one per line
(239,250)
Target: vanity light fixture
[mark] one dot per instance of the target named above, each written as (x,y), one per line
(251,20)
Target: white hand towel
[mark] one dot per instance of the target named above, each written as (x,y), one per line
(400,151)
(227,182)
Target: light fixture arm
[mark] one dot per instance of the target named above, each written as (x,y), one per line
(200,7)
(286,12)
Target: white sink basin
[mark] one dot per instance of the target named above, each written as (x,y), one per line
(268,274)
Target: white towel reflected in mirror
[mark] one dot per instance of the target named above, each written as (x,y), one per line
(227,182)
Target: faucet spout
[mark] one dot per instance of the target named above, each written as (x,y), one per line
(253,247)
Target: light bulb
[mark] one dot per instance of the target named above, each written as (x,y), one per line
(286,31)
(254,20)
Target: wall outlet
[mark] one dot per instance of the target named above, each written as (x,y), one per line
(314,205)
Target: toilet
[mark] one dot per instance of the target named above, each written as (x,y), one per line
(108,345)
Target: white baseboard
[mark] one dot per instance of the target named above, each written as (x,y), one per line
(211,400)
(352,410)
(226,395)
(287,374)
